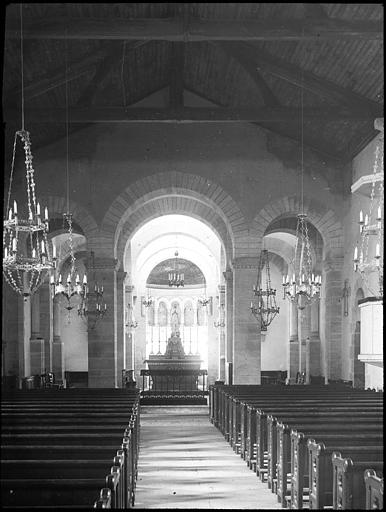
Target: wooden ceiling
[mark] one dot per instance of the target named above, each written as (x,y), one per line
(252,61)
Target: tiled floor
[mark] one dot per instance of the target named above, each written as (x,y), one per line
(185,462)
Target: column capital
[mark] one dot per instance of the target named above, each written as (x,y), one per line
(221,288)
(245,262)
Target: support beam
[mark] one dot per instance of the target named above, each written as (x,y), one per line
(192,114)
(294,75)
(56,77)
(176,89)
(172,29)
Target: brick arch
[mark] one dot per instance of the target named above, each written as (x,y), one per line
(173,192)
(58,205)
(322,219)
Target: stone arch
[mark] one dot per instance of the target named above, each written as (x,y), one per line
(323,220)
(57,205)
(173,192)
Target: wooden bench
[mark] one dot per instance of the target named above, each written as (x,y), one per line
(320,467)
(349,491)
(77,421)
(374,490)
(299,458)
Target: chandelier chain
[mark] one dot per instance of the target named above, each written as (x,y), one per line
(67,123)
(22,66)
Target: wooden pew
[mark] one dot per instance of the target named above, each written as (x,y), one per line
(121,476)
(278,435)
(349,491)
(299,458)
(321,472)
(374,490)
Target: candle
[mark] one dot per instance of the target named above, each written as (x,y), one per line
(379,215)
(42,245)
(377,251)
(46,213)
(29,215)
(54,251)
(60,278)
(84,279)
(15,207)
(251,305)
(10,214)
(361,217)
(6,252)
(356,254)
(77,280)
(366,219)
(69,279)
(38,209)
(14,243)
(52,280)
(293,279)
(34,253)
(105,306)
(102,289)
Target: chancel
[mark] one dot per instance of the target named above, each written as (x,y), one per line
(193,244)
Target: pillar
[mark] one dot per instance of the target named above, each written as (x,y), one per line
(37,355)
(213,345)
(57,344)
(331,316)
(25,333)
(293,352)
(46,322)
(228,275)
(313,352)
(221,333)
(246,329)
(102,339)
(119,314)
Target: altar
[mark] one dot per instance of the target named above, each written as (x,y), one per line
(174,372)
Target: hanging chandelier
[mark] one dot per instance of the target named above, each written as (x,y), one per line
(131,322)
(92,308)
(204,301)
(221,317)
(26,250)
(175,278)
(71,286)
(368,258)
(148,301)
(266,308)
(303,287)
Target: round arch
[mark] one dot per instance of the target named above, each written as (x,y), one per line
(174,192)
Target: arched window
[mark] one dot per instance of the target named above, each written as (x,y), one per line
(162,315)
(189,314)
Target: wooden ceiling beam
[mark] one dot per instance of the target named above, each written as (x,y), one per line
(192,114)
(56,77)
(177,29)
(280,68)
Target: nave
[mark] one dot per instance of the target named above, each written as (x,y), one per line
(186,463)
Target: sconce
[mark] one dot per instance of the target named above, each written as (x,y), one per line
(345,295)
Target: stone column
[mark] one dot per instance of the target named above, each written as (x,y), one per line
(57,344)
(46,321)
(119,322)
(25,331)
(221,333)
(128,348)
(102,339)
(228,275)
(314,341)
(293,352)
(37,364)
(213,346)
(305,320)
(246,330)
(331,316)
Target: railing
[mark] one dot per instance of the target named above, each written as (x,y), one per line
(178,382)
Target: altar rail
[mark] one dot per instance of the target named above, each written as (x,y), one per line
(174,382)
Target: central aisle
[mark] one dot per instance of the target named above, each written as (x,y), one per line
(184,462)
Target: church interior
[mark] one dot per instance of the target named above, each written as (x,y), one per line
(193,243)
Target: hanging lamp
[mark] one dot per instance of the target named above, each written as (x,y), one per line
(26,250)
(72,285)
(303,286)
(266,308)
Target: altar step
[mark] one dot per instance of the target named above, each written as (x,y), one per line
(173,400)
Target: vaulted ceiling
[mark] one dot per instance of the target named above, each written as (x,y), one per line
(248,61)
